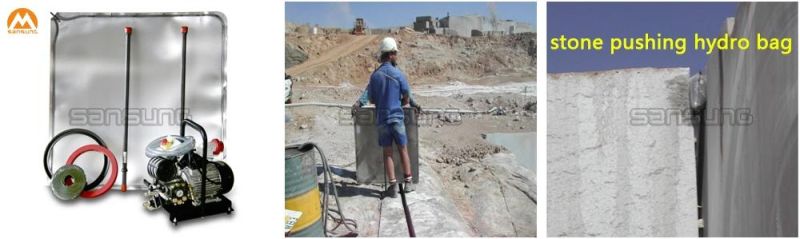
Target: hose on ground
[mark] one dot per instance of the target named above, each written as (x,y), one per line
(407,211)
(328,182)
(339,218)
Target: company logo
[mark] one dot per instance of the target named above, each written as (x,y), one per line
(22,21)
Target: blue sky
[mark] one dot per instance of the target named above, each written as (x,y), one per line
(392,14)
(632,20)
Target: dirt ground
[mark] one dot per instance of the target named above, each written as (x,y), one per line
(471,187)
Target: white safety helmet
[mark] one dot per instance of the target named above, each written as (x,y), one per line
(388,45)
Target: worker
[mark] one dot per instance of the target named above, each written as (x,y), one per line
(388,89)
(364,99)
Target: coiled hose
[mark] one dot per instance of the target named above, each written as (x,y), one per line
(327,176)
(48,154)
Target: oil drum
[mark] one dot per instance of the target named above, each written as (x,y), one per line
(301,190)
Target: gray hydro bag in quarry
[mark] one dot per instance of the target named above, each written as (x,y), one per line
(750,176)
(87,81)
(620,154)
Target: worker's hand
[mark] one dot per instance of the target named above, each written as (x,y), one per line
(356,107)
(417,108)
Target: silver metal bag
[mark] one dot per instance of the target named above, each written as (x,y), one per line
(369,155)
(87,87)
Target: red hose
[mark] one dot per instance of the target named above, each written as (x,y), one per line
(97,148)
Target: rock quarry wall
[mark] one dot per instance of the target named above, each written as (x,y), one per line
(620,154)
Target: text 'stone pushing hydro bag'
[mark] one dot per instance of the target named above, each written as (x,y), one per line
(87,87)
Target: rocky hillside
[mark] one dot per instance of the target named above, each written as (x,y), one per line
(425,58)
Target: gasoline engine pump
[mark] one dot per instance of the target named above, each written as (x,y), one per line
(186,184)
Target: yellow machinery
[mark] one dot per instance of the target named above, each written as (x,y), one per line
(359,28)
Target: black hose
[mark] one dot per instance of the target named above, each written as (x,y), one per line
(48,154)
(328,183)
(406,210)
(411,232)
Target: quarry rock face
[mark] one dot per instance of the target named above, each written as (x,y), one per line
(504,200)
(620,154)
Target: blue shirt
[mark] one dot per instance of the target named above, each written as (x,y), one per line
(364,98)
(386,87)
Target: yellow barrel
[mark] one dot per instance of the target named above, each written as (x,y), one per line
(301,190)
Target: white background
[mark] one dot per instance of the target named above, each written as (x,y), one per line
(255,131)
